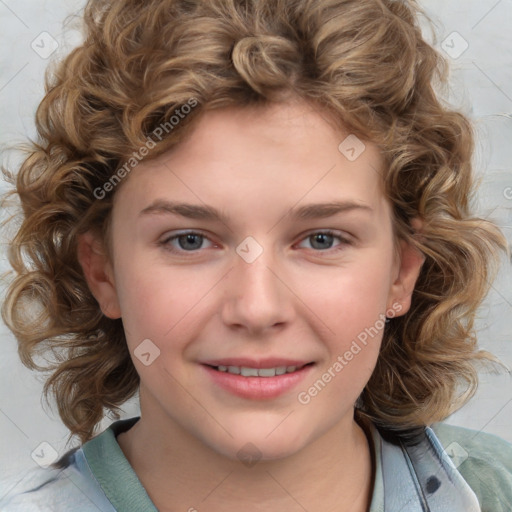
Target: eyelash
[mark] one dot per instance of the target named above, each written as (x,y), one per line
(343,241)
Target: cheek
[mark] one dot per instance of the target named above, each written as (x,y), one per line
(158,301)
(350,299)
(351,304)
(354,312)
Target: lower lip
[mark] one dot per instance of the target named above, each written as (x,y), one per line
(258,388)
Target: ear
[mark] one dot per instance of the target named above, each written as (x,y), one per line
(99,273)
(410,261)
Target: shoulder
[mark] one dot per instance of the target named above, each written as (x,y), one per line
(61,487)
(484,461)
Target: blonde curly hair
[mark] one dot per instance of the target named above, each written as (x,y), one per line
(364,61)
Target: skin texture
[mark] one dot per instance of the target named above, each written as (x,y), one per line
(302,298)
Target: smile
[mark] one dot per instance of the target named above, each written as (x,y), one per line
(245,371)
(257,383)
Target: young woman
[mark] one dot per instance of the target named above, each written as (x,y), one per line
(255,214)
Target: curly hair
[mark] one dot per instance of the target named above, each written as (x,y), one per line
(365,62)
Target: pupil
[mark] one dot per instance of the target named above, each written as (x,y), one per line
(189,238)
(322,238)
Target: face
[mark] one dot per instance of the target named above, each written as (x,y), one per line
(271,283)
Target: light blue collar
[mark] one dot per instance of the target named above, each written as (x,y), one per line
(421,478)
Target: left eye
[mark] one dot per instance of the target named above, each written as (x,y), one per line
(323,240)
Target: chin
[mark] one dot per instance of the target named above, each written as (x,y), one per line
(251,444)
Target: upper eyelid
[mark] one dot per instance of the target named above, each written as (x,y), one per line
(183,233)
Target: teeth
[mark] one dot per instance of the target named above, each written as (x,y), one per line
(248,372)
(266,372)
(256,372)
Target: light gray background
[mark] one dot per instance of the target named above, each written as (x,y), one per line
(480,85)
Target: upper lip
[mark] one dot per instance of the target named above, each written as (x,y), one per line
(271,362)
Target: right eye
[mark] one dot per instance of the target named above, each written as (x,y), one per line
(190,241)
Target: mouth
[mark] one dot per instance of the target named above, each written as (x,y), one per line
(257,380)
(248,371)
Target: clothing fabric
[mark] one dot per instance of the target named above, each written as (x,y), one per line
(453,469)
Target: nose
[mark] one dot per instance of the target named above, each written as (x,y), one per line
(257,298)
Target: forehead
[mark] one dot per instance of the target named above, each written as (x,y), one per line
(296,131)
(258,158)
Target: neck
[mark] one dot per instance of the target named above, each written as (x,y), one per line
(180,473)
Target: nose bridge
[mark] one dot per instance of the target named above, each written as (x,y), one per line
(255,296)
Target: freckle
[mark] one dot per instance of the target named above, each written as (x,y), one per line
(433,484)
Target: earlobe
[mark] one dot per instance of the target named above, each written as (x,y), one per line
(411,261)
(98,272)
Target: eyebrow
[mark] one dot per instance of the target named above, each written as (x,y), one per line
(205,212)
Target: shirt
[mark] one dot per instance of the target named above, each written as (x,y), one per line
(474,468)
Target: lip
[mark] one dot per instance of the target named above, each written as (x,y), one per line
(257,388)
